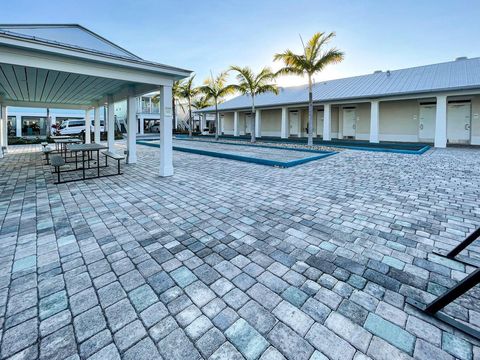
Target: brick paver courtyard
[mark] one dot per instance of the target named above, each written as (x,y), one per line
(230,260)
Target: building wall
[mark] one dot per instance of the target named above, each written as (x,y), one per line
(228,123)
(475,132)
(271,122)
(399,121)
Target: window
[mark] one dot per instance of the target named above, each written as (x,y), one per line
(12,126)
(34,126)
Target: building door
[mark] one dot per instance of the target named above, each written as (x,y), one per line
(248,123)
(349,122)
(319,124)
(294,123)
(458,123)
(426,123)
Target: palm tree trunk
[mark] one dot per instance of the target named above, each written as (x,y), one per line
(310,112)
(217,121)
(253,124)
(190,125)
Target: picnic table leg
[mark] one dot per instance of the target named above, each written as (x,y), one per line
(98,163)
(76,162)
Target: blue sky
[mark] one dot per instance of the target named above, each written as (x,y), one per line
(209,35)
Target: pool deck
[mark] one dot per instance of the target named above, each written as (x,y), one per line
(233,260)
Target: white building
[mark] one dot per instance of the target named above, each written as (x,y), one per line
(437,103)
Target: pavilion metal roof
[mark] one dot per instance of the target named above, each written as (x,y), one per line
(67,64)
(461,74)
(72,35)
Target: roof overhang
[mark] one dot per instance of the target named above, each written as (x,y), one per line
(463,91)
(37,74)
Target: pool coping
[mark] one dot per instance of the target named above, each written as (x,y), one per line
(376,148)
(284,164)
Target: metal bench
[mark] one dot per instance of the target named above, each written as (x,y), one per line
(112,155)
(47,150)
(57,162)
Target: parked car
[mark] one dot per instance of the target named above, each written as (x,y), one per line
(76,127)
(155,127)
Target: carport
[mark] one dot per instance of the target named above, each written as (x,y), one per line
(68,66)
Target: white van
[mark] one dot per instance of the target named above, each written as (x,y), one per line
(76,127)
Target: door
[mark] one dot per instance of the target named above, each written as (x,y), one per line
(319,124)
(349,123)
(426,123)
(458,123)
(248,123)
(294,123)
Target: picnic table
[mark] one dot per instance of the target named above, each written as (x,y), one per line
(86,149)
(63,144)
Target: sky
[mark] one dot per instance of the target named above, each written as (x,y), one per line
(209,36)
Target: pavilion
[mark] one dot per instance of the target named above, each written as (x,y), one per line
(68,66)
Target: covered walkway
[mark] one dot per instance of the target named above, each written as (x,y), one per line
(68,66)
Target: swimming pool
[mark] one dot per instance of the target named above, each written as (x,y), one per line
(257,154)
(401,148)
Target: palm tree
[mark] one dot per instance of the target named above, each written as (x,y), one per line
(175,97)
(215,89)
(187,91)
(201,103)
(252,84)
(313,60)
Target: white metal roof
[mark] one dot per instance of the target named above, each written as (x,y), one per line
(70,35)
(60,65)
(461,74)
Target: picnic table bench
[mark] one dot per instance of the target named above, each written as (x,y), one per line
(112,155)
(57,162)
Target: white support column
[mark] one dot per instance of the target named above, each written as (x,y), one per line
(141,125)
(236,130)
(203,121)
(2,129)
(284,124)
(5,127)
(258,123)
(132,130)
(88,139)
(441,122)
(374,121)
(222,124)
(327,122)
(111,124)
(18,126)
(96,125)
(166,145)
